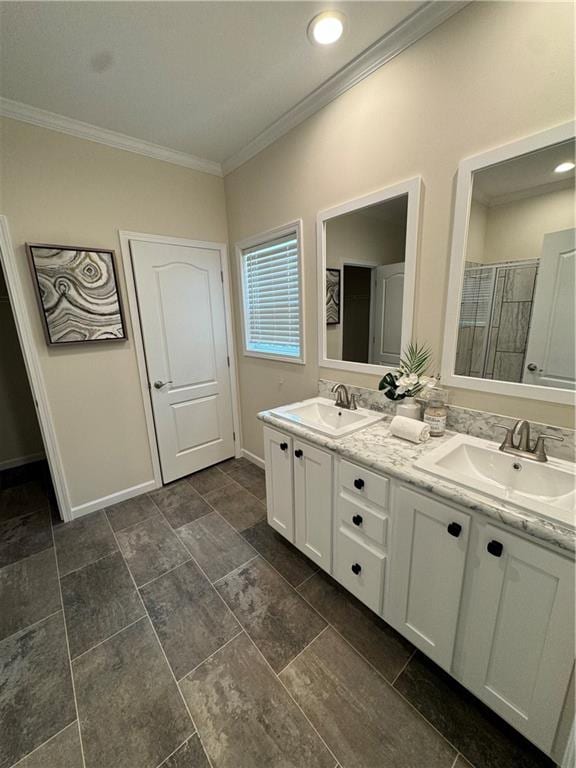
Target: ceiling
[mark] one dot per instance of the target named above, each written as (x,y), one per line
(204,78)
(525,175)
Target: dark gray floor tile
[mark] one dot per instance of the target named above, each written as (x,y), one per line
(370,635)
(477,732)
(24,536)
(362,719)
(36,697)
(188,511)
(130,512)
(151,548)
(191,620)
(232,464)
(131,714)
(215,546)
(83,541)
(191,755)
(245,717)
(279,621)
(99,600)
(462,763)
(63,751)
(22,499)
(288,560)
(237,505)
(29,591)
(180,503)
(250,477)
(208,480)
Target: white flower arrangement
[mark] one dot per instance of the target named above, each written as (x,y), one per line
(409,379)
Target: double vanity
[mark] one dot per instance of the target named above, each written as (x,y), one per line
(465,550)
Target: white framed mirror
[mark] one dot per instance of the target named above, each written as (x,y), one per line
(367,251)
(510,312)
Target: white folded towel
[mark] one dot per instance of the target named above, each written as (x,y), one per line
(410,429)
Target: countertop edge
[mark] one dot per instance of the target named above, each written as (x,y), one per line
(539,528)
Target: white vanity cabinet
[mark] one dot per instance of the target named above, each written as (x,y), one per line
(429,545)
(517,634)
(299,494)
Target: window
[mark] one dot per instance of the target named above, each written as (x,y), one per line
(271,288)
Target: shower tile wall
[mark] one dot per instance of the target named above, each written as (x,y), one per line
(509,326)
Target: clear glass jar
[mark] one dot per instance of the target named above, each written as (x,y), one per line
(436,411)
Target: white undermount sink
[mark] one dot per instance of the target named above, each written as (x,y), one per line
(321,415)
(547,489)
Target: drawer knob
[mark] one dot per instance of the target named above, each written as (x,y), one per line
(357,519)
(495,548)
(356,568)
(298,453)
(359,483)
(283,446)
(454,529)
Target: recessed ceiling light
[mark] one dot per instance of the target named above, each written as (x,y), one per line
(563,167)
(326,28)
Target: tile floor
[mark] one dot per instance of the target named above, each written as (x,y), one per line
(178,630)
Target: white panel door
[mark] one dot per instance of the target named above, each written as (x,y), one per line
(181,304)
(313,503)
(279,493)
(520,632)
(550,355)
(428,559)
(387,314)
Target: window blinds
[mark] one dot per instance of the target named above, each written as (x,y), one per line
(271,281)
(477,291)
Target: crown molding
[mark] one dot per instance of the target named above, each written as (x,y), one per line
(422,21)
(45,119)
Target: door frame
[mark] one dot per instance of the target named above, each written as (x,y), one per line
(134,313)
(25,333)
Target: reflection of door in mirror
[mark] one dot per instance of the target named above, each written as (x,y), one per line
(517,298)
(368,245)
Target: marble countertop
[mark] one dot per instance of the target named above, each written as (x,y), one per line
(376,448)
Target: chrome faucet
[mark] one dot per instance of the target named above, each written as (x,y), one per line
(343,397)
(517,442)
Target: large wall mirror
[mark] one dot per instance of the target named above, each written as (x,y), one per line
(511,305)
(367,258)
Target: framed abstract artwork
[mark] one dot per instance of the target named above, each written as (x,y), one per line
(78,294)
(332,296)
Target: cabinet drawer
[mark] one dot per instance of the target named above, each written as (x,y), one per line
(361,518)
(359,568)
(364,484)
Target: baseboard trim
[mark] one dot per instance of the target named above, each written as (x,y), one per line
(113,498)
(253,458)
(22,460)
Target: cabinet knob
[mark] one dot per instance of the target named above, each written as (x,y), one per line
(454,529)
(283,446)
(298,453)
(357,519)
(359,483)
(356,568)
(495,548)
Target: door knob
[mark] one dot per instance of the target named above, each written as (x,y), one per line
(357,519)
(298,453)
(283,446)
(454,529)
(359,483)
(160,384)
(356,568)
(495,548)
(532,367)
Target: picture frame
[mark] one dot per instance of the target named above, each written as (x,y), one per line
(78,294)
(333,296)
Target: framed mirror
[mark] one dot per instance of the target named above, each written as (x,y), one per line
(510,315)
(366,275)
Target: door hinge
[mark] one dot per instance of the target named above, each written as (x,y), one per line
(234,436)
(222,277)
(228,360)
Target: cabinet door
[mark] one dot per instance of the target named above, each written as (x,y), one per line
(279,494)
(520,632)
(313,503)
(428,556)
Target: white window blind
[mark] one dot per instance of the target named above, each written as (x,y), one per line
(477,290)
(271,284)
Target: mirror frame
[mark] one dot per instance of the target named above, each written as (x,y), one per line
(463,202)
(411,187)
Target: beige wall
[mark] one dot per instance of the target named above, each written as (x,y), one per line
(19,433)
(493,73)
(59,189)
